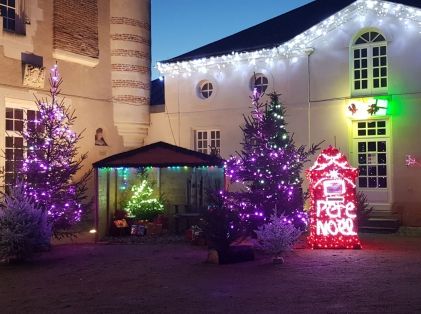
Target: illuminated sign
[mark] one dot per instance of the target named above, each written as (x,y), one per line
(333,212)
(363,108)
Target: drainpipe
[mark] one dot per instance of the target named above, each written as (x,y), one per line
(309,51)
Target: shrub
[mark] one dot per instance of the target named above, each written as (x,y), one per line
(277,236)
(363,208)
(23,226)
(221,225)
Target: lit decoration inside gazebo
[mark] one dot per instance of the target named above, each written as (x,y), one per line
(333,210)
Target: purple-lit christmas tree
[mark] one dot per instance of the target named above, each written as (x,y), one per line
(52,161)
(269,166)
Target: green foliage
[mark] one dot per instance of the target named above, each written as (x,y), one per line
(363,208)
(277,236)
(142,204)
(23,226)
(221,225)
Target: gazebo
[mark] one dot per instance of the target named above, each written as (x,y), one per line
(182,176)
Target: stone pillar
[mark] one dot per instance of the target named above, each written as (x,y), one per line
(130,35)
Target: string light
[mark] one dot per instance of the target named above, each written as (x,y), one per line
(298,45)
(333,202)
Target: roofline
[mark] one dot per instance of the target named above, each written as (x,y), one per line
(209,160)
(295,46)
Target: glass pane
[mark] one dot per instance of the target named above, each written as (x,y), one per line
(381,170)
(360,41)
(371,124)
(366,37)
(3,11)
(365,84)
(362,182)
(376,83)
(357,64)
(371,132)
(372,170)
(382,182)
(376,72)
(372,182)
(356,74)
(9,141)
(381,124)
(375,51)
(199,144)
(364,63)
(372,146)
(9,166)
(381,131)
(381,146)
(9,154)
(9,113)
(19,114)
(380,38)
(363,170)
(205,135)
(357,85)
(218,134)
(376,62)
(361,133)
(18,126)
(30,115)
(364,52)
(11,13)
(361,125)
(11,3)
(381,159)
(356,53)
(18,154)
(9,125)
(199,135)
(362,147)
(18,142)
(362,159)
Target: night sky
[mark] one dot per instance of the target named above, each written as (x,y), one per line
(179,26)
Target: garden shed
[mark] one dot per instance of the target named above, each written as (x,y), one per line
(180,177)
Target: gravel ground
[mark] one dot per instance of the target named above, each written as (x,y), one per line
(160,277)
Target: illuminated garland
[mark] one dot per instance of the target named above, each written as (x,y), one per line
(298,45)
(333,202)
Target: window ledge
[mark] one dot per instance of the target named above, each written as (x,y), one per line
(75,58)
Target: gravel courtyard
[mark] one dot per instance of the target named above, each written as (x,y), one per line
(384,277)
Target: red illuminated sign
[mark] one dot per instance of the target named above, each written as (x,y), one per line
(333,212)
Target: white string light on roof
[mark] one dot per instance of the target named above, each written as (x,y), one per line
(298,45)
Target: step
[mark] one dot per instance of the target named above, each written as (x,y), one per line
(380,225)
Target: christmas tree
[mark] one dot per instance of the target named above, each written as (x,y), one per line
(269,166)
(52,161)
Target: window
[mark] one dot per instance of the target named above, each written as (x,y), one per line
(369,64)
(15,125)
(208,141)
(8,12)
(372,154)
(205,89)
(260,83)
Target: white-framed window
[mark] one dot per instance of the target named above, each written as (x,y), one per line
(205,89)
(8,12)
(369,69)
(14,143)
(260,83)
(208,141)
(371,138)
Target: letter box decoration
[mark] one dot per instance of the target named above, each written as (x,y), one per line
(333,212)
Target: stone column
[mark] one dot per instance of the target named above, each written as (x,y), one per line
(130,35)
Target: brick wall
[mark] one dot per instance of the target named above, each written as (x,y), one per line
(75,27)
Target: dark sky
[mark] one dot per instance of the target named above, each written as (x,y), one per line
(179,26)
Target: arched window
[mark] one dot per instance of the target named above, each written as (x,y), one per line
(369,64)
(205,89)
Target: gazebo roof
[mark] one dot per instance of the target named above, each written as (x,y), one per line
(159,154)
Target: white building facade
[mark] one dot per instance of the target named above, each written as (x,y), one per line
(351,76)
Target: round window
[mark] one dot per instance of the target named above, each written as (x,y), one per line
(260,83)
(205,89)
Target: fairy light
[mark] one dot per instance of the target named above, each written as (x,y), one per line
(333,203)
(298,45)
